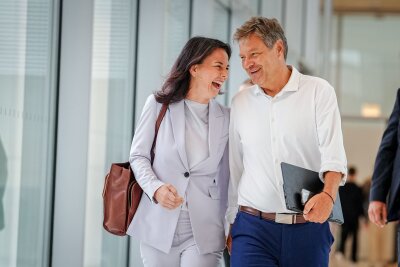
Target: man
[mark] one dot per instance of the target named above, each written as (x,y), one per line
(351,197)
(385,195)
(284,117)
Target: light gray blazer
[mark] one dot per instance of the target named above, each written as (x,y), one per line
(206,185)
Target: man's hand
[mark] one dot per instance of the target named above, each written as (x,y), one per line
(377,213)
(168,197)
(318,208)
(229,240)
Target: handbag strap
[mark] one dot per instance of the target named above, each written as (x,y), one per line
(158,123)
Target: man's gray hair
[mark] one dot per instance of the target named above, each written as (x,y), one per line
(269,30)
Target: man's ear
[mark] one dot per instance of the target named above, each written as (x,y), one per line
(280,47)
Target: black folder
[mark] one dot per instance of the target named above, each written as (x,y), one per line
(297,178)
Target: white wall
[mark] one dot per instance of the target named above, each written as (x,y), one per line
(361,142)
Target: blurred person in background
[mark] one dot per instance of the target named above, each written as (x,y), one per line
(351,197)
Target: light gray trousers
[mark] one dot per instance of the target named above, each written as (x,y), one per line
(184,252)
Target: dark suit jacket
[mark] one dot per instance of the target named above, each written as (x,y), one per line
(386,178)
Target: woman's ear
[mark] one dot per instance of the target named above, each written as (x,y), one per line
(193,70)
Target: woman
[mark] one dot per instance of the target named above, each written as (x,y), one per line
(180,219)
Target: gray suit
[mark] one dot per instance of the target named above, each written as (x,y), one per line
(205,185)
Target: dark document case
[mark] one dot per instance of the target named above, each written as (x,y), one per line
(295,179)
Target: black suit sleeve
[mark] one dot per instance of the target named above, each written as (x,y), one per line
(383,170)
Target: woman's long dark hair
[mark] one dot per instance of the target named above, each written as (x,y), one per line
(176,86)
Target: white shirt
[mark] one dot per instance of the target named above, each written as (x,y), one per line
(301,125)
(196,135)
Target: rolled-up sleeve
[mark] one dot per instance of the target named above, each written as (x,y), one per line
(140,158)
(329,131)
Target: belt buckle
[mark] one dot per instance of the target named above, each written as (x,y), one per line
(284,218)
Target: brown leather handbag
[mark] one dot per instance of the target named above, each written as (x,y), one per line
(121,192)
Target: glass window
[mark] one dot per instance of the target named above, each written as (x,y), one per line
(220,26)
(228,2)
(221,31)
(28,41)
(364,71)
(161,37)
(111,118)
(176,29)
(293,26)
(272,8)
(366,74)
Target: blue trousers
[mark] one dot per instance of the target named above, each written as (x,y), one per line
(260,243)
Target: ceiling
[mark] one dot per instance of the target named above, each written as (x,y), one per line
(366,6)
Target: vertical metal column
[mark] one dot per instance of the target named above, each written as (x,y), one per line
(326,44)
(73,130)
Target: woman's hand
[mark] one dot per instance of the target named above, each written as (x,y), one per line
(168,197)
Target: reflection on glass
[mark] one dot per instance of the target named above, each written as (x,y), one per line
(221,31)
(176,30)
(220,22)
(27,108)
(110,126)
(3,181)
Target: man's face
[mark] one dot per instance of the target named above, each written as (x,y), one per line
(259,61)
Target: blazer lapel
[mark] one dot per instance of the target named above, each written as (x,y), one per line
(177,112)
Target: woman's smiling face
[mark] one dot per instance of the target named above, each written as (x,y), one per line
(208,77)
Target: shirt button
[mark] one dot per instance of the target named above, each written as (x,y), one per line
(186,174)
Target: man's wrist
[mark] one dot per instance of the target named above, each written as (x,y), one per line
(330,196)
